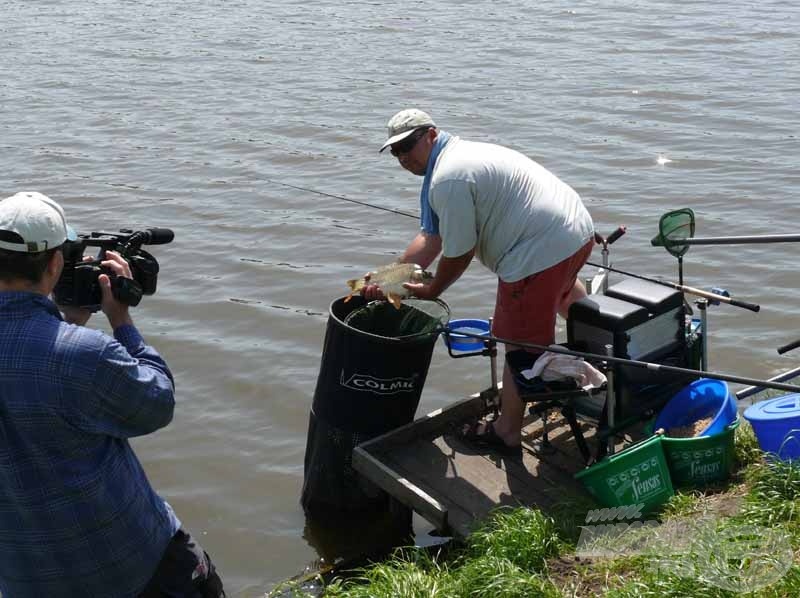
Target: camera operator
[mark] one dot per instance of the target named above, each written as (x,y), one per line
(78,516)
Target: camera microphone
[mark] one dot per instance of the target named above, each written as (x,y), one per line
(151,236)
(158,236)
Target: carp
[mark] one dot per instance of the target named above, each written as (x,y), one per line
(390,280)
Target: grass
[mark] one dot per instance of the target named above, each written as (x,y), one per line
(525,538)
(741,536)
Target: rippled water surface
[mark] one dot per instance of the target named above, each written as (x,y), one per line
(205,117)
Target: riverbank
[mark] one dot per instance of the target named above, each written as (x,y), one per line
(740,536)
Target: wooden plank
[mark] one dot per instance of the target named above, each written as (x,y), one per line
(371,458)
(458,519)
(564,453)
(451,485)
(529,481)
(484,475)
(478,483)
(555,467)
(468,483)
(429,425)
(400,487)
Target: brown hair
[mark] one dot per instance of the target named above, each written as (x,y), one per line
(18,265)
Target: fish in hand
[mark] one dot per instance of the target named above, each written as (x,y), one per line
(390,280)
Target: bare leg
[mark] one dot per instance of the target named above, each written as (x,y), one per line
(509,424)
(578,291)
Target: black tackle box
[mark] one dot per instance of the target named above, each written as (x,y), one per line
(641,321)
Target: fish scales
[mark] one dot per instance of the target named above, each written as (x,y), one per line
(390,280)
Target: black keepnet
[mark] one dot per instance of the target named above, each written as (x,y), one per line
(375,359)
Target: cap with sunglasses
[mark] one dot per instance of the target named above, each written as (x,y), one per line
(404,123)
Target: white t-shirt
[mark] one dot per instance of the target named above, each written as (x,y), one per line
(519,216)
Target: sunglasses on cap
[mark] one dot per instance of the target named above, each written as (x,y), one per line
(407,144)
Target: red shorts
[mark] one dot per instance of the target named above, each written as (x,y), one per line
(526,310)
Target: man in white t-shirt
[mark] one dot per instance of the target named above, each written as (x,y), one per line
(520,220)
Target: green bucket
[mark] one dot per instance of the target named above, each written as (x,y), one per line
(700,460)
(637,475)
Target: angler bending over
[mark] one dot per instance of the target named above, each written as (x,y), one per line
(520,220)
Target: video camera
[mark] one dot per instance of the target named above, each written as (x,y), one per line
(79,286)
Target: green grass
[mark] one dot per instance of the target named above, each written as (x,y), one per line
(746,446)
(408,573)
(742,534)
(498,577)
(524,537)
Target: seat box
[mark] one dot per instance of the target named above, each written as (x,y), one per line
(665,330)
(656,298)
(599,320)
(649,332)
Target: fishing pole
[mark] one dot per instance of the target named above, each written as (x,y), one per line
(362,203)
(618,233)
(684,288)
(751,390)
(656,367)
(788,347)
(790,238)
(632,362)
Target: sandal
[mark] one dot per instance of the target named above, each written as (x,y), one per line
(488,438)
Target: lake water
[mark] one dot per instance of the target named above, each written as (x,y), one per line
(204,116)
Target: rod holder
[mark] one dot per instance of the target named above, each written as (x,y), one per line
(611,402)
(492,355)
(702,305)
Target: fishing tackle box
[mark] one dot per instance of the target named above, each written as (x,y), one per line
(641,321)
(637,318)
(664,329)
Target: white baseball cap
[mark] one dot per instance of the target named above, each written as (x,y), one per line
(405,122)
(31,222)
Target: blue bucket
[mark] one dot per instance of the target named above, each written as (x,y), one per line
(776,423)
(700,399)
(460,342)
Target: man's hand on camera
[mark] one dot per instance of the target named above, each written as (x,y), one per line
(116,311)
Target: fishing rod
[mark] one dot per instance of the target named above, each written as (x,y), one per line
(361,203)
(788,347)
(613,237)
(684,288)
(662,242)
(656,242)
(751,390)
(642,364)
(656,367)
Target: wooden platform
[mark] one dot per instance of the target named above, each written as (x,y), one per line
(424,466)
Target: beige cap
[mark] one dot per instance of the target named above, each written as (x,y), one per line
(405,122)
(31,222)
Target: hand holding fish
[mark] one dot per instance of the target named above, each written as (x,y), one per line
(448,270)
(421,290)
(371,292)
(388,281)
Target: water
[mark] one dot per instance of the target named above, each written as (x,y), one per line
(190,115)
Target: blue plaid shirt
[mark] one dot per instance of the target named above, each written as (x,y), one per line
(78,516)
